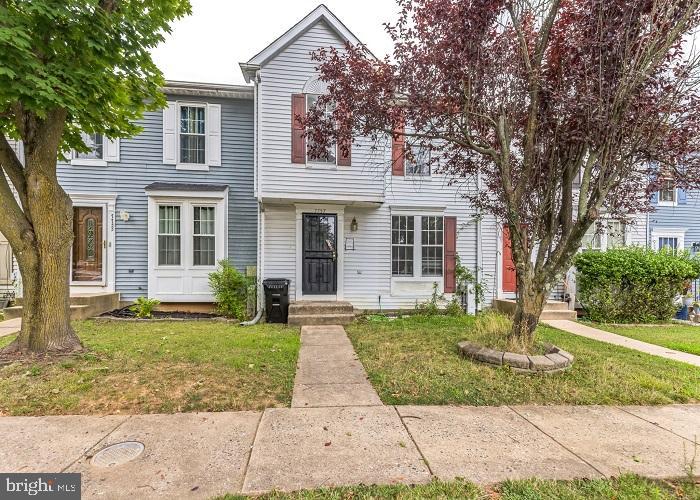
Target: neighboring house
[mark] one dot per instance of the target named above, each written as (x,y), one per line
(367,228)
(674,222)
(154,214)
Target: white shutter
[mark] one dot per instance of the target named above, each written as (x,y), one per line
(170,133)
(111,149)
(214,135)
(18,147)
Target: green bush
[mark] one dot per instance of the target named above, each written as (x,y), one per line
(232,291)
(633,285)
(143,307)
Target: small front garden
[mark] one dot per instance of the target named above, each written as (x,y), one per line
(626,487)
(414,360)
(685,338)
(157,367)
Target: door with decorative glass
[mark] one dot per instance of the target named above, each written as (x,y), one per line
(88,243)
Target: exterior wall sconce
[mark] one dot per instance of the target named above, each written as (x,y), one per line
(695,247)
(353,225)
(124,216)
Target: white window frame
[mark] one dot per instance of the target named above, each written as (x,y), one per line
(75,160)
(674,195)
(318,163)
(400,245)
(418,275)
(193,235)
(158,235)
(603,237)
(407,162)
(677,233)
(192,166)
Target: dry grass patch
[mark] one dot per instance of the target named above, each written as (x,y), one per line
(159,367)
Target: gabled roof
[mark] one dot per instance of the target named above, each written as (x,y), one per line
(319,13)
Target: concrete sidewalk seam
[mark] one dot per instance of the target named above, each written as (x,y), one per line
(102,439)
(420,452)
(655,424)
(250,451)
(583,460)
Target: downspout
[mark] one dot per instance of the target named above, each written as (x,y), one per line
(479,257)
(261,213)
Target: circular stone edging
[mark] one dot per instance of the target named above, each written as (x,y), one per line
(555,360)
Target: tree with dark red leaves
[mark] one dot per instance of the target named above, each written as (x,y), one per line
(564,110)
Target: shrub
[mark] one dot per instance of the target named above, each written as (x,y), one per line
(143,307)
(454,308)
(633,285)
(232,290)
(430,307)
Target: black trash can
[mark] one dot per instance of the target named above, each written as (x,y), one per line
(276,299)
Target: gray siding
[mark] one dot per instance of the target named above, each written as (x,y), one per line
(682,216)
(141,163)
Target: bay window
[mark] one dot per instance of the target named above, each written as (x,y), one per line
(169,241)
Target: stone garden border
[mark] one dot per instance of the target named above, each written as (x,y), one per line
(554,361)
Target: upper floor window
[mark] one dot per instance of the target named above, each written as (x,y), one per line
(668,194)
(331,152)
(420,163)
(96,144)
(193,136)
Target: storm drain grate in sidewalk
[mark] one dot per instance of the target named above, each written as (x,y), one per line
(117,454)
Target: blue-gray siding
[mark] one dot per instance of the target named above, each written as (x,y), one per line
(141,163)
(682,216)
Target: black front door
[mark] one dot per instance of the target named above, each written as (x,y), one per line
(319,247)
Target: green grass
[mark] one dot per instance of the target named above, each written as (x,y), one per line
(627,487)
(683,338)
(414,360)
(158,367)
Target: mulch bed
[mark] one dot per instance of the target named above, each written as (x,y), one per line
(126,313)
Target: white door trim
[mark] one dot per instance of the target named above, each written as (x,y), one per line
(339,212)
(108,204)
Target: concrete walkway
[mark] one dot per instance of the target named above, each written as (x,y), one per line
(200,455)
(612,338)
(10,326)
(329,372)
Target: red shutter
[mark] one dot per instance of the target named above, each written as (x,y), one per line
(344,159)
(397,151)
(450,226)
(298,139)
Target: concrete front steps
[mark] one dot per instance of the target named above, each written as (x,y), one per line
(554,309)
(306,312)
(82,306)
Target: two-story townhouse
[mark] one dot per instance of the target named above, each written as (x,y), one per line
(153,214)
(369,227)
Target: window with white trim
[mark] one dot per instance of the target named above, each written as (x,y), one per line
(417,246)
(420,164)
(615,234)
(96,144)
(667,193)
(612,235)
(668,242)
(402,243)
(204,236)
(192,135)
(169,238)
(331,155)
(432,243)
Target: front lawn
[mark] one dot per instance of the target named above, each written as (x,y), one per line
(158,367)
(684,338)
(627,487)
(414,360)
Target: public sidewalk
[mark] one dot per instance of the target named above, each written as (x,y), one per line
(10,326)
(199,455)
(613,338)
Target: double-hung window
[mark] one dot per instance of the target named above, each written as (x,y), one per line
(331,154)
(169,238)
(402,243)
(667,194)
(204,236)
(432,241)
(417,246)
(612,235)
(615,233)
(96,144)
(419,165)
(192,138)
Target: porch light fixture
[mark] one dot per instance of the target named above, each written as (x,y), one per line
(124,215)
(695,247)
(353,225)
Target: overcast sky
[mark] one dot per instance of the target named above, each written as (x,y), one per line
(208,45)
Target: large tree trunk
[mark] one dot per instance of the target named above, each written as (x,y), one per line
(529,305)
(44,250)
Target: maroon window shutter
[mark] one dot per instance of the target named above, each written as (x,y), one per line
(298,139)
(397,151)
(450,224)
